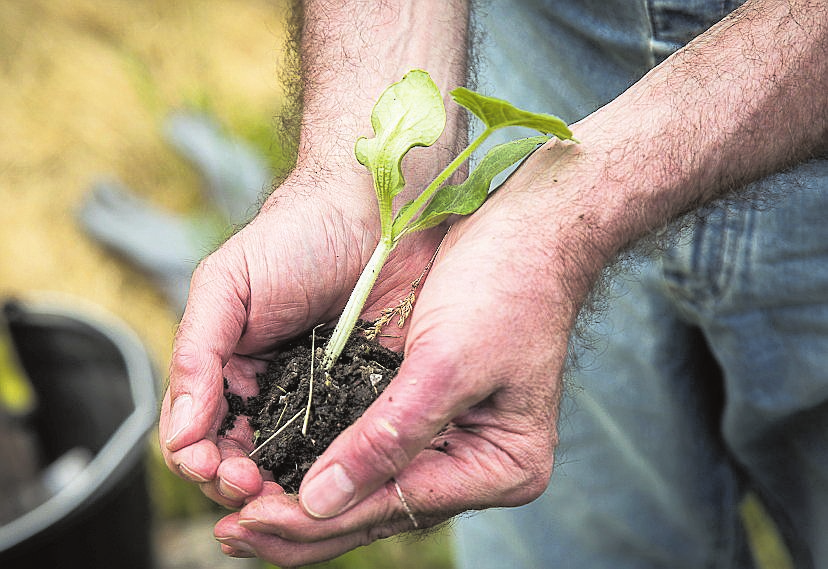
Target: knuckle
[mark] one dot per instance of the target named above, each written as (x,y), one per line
(533,482)
(382,441)
(186,357)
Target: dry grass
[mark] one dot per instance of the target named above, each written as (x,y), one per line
(84,88)
(769,551)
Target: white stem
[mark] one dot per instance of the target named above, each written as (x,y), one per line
(356,303)
(310,382)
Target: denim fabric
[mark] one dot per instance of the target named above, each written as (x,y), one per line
(707,375)
(675,22)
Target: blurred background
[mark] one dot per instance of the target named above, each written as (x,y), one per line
(135,135)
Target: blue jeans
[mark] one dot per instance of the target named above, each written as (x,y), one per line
(705,378)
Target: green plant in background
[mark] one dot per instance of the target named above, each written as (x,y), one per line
(410,113)
(766,543)
(17,396)
(430,549)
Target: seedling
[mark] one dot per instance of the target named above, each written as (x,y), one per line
(411,113)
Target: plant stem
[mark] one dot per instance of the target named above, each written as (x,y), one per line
(356,302)
(417,203)
(390,235)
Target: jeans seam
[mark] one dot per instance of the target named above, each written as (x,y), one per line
(651,57)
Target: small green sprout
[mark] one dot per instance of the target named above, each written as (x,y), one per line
(410,113)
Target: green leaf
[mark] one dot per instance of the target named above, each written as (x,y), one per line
(497,113)
(409,113)
(465,198)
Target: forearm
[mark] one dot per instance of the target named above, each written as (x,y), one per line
(351,51)
(745,99)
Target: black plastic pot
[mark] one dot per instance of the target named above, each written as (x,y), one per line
(96,402)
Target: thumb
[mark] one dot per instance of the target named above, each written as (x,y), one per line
(381,443)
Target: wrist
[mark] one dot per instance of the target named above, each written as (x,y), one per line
(319,188)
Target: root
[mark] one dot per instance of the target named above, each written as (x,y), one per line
(276,434)
(310,383)
(406,305)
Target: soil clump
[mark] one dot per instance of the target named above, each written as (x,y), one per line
(338,398)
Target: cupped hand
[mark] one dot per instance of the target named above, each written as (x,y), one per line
(469,421)
(292,267)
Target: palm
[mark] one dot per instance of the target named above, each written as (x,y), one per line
(290,269)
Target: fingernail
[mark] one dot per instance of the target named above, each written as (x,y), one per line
(191,475)
(240,548)
(328,493)
(229,490)
(180,417)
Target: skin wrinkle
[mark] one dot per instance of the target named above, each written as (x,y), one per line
(546,241)
(335,249)
(286,313)
(248,294)
(336,233)
(506,464)
(395,512)
(528,472)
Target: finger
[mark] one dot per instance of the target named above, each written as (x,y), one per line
(470,472)
(196,463)
(412,409)
(240,533)
(210,329)
(237,477)
(464,468)
(238,541)
(237,480)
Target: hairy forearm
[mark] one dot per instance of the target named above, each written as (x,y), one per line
(352,50)
(745,99)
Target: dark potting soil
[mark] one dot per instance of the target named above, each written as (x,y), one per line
(360,374)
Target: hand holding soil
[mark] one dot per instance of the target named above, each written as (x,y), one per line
(469,421)
(435,411)
(266,284)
